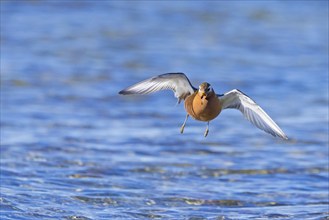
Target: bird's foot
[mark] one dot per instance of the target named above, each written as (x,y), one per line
(183,126)
(182,129)
(206,132)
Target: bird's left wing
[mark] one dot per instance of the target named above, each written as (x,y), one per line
(253,112)
(177,82)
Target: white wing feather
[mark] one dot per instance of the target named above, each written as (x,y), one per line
(177,82)
(253,112)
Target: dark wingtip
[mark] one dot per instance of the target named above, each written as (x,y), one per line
(283,137)
(126,92)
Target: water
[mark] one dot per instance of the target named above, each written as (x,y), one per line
(72,148)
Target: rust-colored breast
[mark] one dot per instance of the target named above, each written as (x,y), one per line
(203,110)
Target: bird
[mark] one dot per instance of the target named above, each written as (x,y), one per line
(203,104)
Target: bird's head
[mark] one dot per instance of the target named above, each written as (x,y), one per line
(205,90)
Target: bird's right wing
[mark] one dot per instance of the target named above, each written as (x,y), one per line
(177,82)
(253,112)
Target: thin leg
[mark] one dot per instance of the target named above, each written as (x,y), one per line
(207,130)
(183,126)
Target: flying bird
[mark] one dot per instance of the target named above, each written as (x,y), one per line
(203,104)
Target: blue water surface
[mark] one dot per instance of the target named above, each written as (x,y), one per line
(72,148)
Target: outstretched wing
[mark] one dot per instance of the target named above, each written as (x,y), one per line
(253,112)
(177,82)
